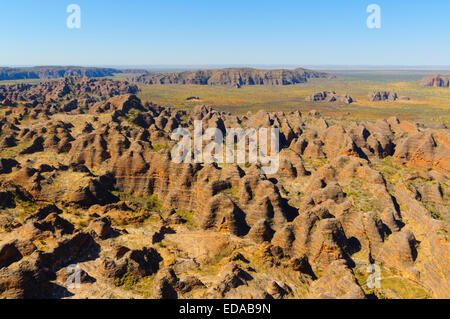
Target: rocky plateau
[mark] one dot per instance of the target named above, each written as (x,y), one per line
(235,77)
(86,179)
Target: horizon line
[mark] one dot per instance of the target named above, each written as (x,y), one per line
(137,66)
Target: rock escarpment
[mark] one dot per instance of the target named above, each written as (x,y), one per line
(234,77)
(54,72)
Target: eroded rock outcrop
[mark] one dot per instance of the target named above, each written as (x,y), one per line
(98,188)
(234,77)
(383,96)
(435,81)
(330,97)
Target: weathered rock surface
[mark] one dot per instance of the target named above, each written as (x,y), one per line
(234,77)
(330,97)
(435,81)
(383,96)
(337,282)
(92,182)
(52,72)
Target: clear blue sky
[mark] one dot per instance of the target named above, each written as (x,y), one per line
(201,32)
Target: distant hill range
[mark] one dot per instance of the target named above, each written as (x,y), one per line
(436,81)
(54,72)
(234,77)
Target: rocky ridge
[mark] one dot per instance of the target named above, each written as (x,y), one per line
(63,95)
(234,77)
(55,72)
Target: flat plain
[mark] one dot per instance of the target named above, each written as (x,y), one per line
(425,104)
